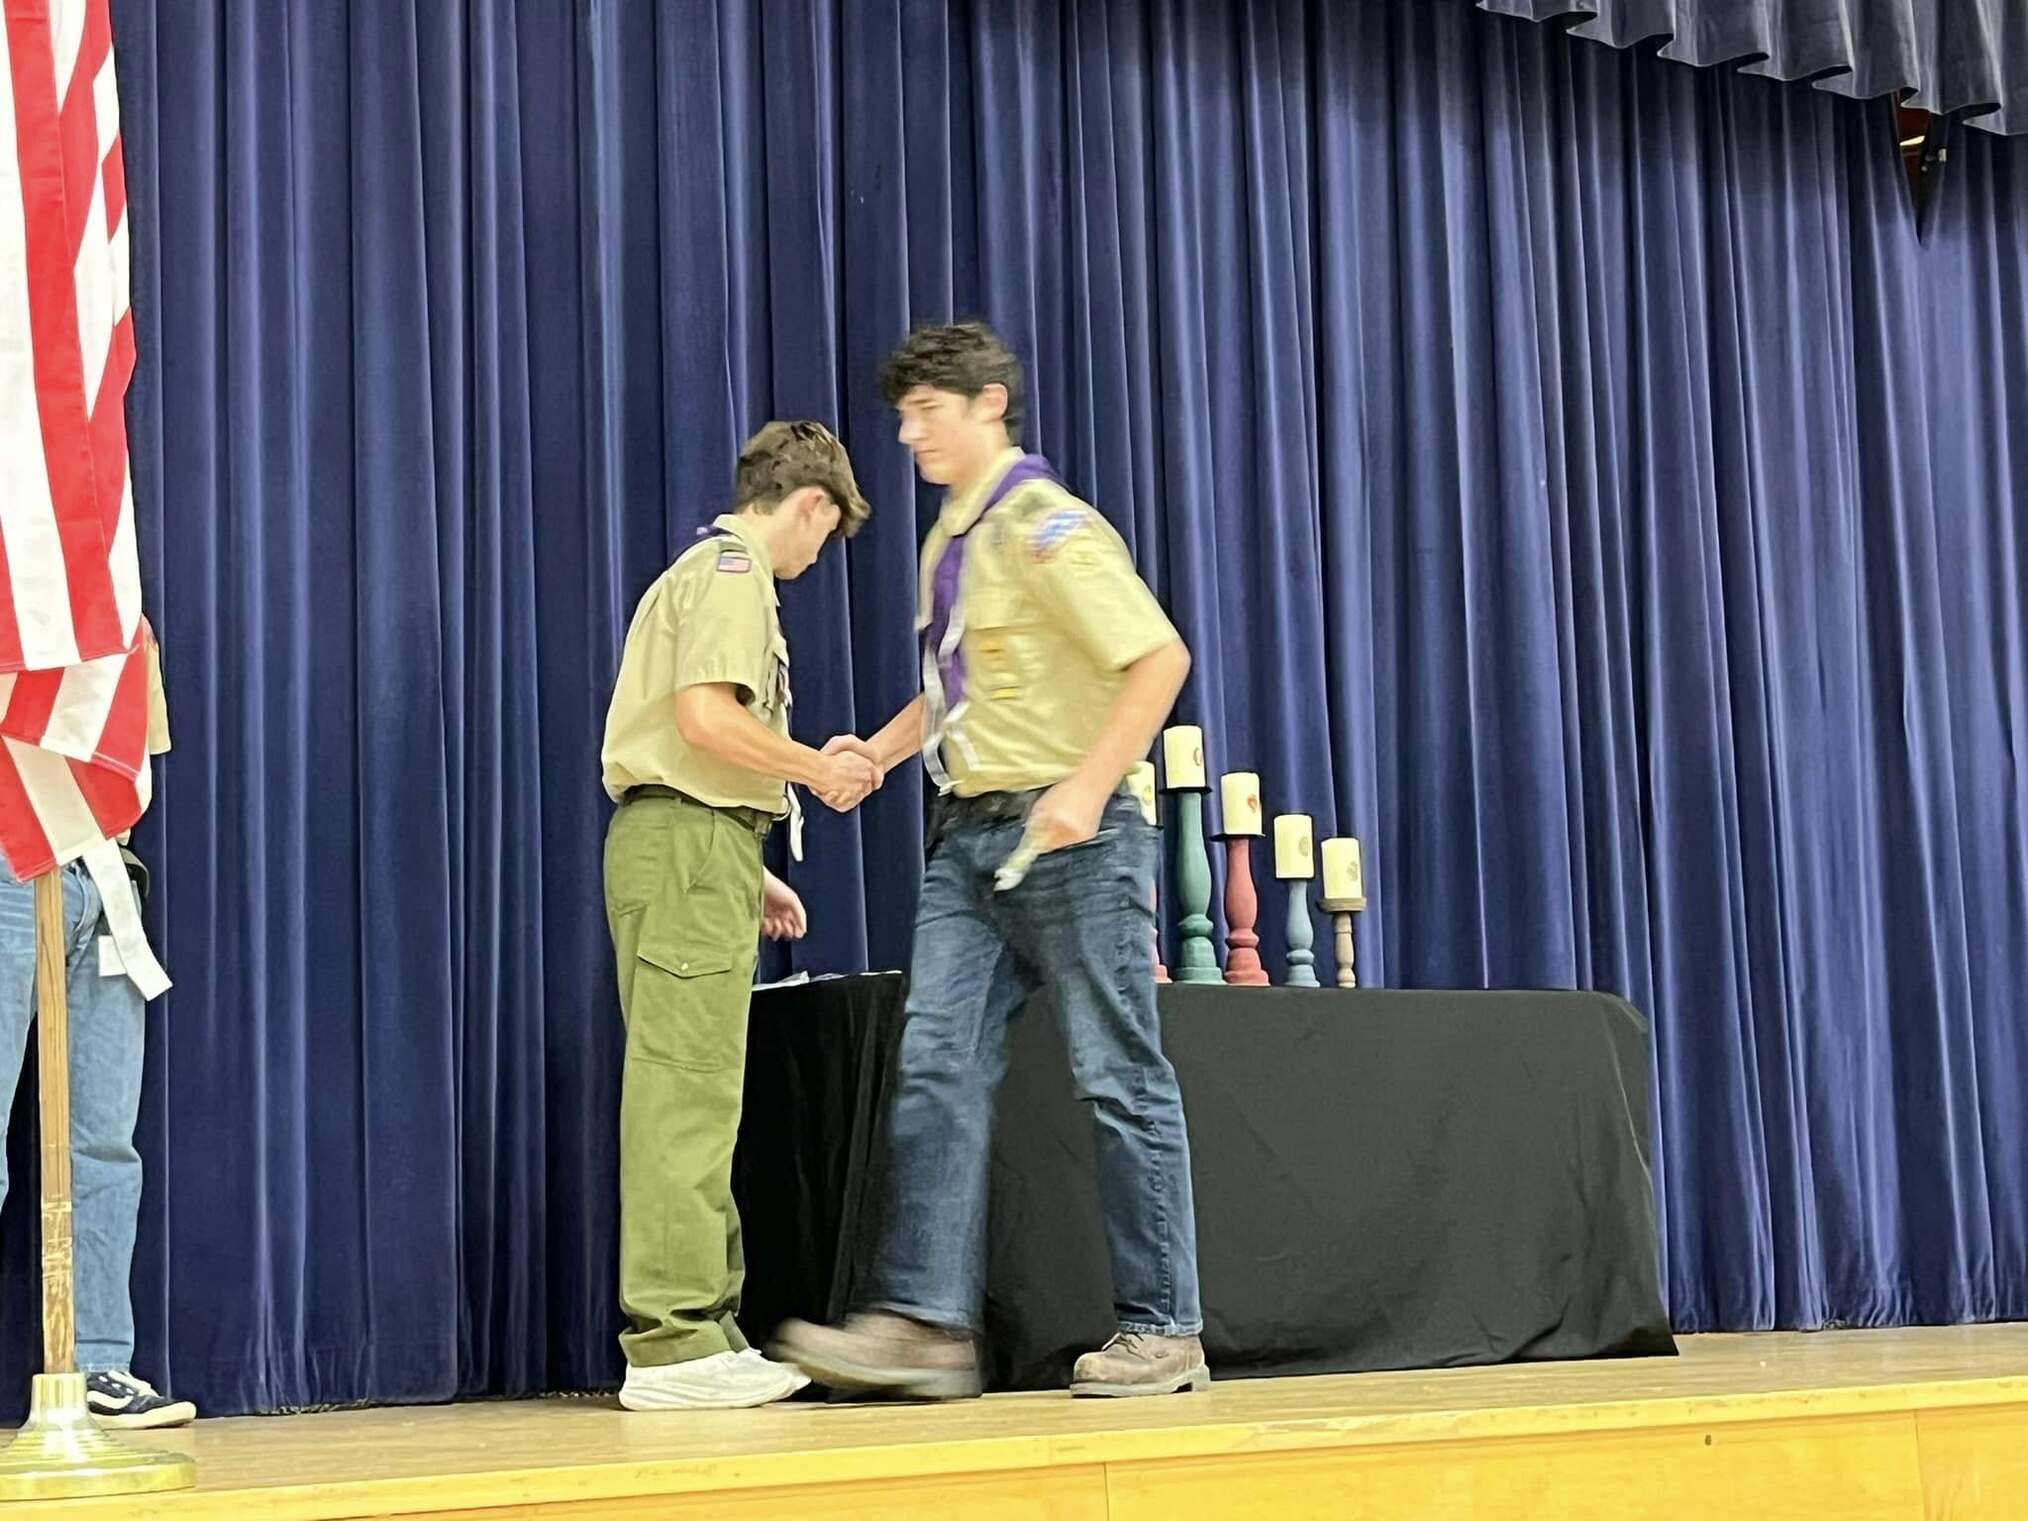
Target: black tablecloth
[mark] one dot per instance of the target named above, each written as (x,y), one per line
(1384,1180)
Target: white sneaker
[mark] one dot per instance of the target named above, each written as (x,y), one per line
(723,1381)
(133,1404)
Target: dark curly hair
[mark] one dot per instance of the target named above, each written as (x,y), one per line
(964,357)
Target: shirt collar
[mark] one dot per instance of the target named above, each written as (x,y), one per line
(748,533)
(962,509)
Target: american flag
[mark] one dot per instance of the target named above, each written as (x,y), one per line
(76,656)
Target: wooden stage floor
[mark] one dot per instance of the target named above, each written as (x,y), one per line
(1851,1425)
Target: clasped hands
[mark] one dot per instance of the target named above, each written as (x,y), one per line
(851,771)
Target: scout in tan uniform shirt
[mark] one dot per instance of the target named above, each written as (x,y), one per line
(1048,667)
(1053,614)
(698,757)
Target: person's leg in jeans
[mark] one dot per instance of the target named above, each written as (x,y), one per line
(106,1029)
(17,995)
(926,1282)
(1082,918)
(964,988)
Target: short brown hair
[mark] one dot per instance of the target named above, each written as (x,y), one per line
(784,457)
(961,357)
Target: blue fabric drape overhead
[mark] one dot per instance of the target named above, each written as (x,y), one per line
(1950,57)
(1576,474)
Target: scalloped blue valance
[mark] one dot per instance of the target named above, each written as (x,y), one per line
(1958,57)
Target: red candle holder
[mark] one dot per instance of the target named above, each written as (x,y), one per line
(1243,967)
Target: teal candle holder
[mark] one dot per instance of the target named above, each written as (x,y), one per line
(1195,960)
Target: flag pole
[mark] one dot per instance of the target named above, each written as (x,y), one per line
(62,1452)
(52,1025)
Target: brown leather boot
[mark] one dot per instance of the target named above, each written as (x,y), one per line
(884,1353)
(1139,1362)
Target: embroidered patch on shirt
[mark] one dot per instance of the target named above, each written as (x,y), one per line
(734,562)
(1053,532)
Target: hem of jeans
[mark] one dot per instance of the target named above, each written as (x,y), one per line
(1173,1328)
(937,1320)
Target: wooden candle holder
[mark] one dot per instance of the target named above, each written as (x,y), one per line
(1243,967)
(1341,911)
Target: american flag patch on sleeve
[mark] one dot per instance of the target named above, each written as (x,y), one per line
(734,562)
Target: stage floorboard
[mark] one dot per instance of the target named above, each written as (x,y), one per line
(1856,1425)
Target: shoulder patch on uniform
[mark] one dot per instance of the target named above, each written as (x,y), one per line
(1053,532)
(1034,499)
(734,561)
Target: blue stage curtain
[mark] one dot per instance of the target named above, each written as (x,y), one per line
(1581,476)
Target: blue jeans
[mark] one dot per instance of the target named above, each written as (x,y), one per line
(106,1031)
(1080,927)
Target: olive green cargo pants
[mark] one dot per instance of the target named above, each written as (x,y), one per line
(683,899)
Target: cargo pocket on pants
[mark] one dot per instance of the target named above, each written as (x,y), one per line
(689,1010)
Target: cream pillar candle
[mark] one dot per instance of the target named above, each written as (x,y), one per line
(1141,783)
(1293,857)
(1344,873)
(1239,796)
(1183,758)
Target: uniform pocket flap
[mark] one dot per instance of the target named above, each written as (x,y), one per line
(679,961)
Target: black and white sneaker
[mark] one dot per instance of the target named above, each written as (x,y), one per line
(133,1404)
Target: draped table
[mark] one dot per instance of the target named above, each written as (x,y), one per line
(1384,1179)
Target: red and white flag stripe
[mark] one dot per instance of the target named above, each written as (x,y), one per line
(74,661)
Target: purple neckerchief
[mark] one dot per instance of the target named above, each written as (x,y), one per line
(950,569)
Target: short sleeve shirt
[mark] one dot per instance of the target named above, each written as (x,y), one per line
(1053,613)
(711,618)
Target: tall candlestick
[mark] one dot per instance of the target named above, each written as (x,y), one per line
(1344,896)
(1183,757)
(1295,864)
(1242,906)
(1195,961)
(1301,958)
(1141,782)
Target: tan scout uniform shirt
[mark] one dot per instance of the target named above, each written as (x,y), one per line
(1053,613)
(711,617)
